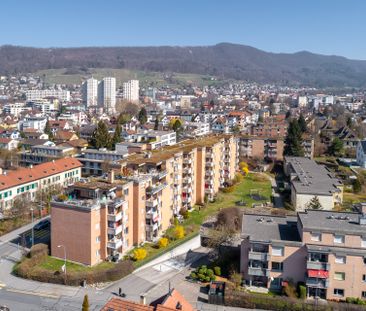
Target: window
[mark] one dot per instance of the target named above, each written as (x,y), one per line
(97,239)
(340,259)
(338,292)
(97,254)
(363,242)
(364,278)
(277,266)
(339,239)
(339,276)
(363,294)
(316,236)
(277,250)
(97,226)
(125,192)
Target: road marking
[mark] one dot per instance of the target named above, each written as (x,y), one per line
(33,293)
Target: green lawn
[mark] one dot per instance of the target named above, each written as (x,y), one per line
(223,200)
(55,264)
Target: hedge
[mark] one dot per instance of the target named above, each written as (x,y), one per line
(280,303)
(29,268)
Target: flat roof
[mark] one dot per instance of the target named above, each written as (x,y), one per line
(329,221)
(312,178)
(168,152)
(267,228)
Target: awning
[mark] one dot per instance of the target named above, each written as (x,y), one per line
(318,273)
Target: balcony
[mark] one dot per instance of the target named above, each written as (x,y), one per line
(116,229)
(259,256)
(155,189)
(187,171)
(209,190)
(187,189)
(161,174)
(187,199)
(209,173)
(152,202)
(116,203)
(313,282)
(187,180)
(258,271)
(187,161)
(210,182)
(317,265)
(210,164)
(152,215)
(115,217)
(115,244)
(152,227)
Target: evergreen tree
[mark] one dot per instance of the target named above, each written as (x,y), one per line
(47,130)
(85,306)
(293,140)
(357,187)
(177,125)
(302,124)
(123,118)
(101,137)
(349,122)
(314,203)
(142,116)
(156,125)
(336,147)
(117,135)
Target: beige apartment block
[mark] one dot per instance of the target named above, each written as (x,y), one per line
(94,222)
(324,249)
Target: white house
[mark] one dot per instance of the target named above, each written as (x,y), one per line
(361,153)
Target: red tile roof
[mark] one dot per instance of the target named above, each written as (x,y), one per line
(4,140)
(26,175)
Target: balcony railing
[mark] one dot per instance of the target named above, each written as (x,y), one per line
(115,230)
(313,282)
(115,217)
(258,271)
(156,189)
(317,265)
(152,202)
(209,164)
(115,244)
(259,256)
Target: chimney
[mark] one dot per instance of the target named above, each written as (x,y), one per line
(111,177)
(142,299)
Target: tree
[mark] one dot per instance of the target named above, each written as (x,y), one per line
(163,242)
(314,203)
(101,137)
(176,125)
(85,306)
(142,116)
(117,135)
(139,254)
(293,140)
(349,122)
(244,168)
(123,118)
(156,125)
(47,130)
(336,147)
(302,124)
(357,187)
(236,129)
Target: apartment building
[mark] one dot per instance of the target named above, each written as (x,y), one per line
(324,249)
(309,180)
(131,90)
(271,127)
(94,222)
(27,181)
(33,95)
(270,148)
(36,123)
(107,94)
(41,154)
(90,92)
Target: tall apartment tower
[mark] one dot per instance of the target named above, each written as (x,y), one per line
(90,92)
(107,94)
(131,90)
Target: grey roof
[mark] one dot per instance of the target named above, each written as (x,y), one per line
(363,145)
(335,222)
(312,178)
(270,228)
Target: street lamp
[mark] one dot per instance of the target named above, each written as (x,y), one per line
(64,266)
(32,226)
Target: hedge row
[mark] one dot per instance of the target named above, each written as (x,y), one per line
(29,268)
(280,303)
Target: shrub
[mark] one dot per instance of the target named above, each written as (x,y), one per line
(356,301)
(139,254)
(210,273)
(163,242)
(289,290)
(238,178)
(302,292)
(235,278)
(193,275)
(179,232)
(38,250)
(228,189)
(62,197)
(217,271)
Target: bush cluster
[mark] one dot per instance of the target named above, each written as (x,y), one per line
(259,301)
(205,274)
(228,189)
(179,232)
(139,254)
(356,301)
(163,242)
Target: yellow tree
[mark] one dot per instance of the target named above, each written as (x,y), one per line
(244,168)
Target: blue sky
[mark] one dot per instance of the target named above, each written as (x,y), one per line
(321,26)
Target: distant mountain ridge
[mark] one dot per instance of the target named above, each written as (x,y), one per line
(223,60)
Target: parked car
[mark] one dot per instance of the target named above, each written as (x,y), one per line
(44,224)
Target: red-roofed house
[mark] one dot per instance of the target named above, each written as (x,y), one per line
(27,181)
